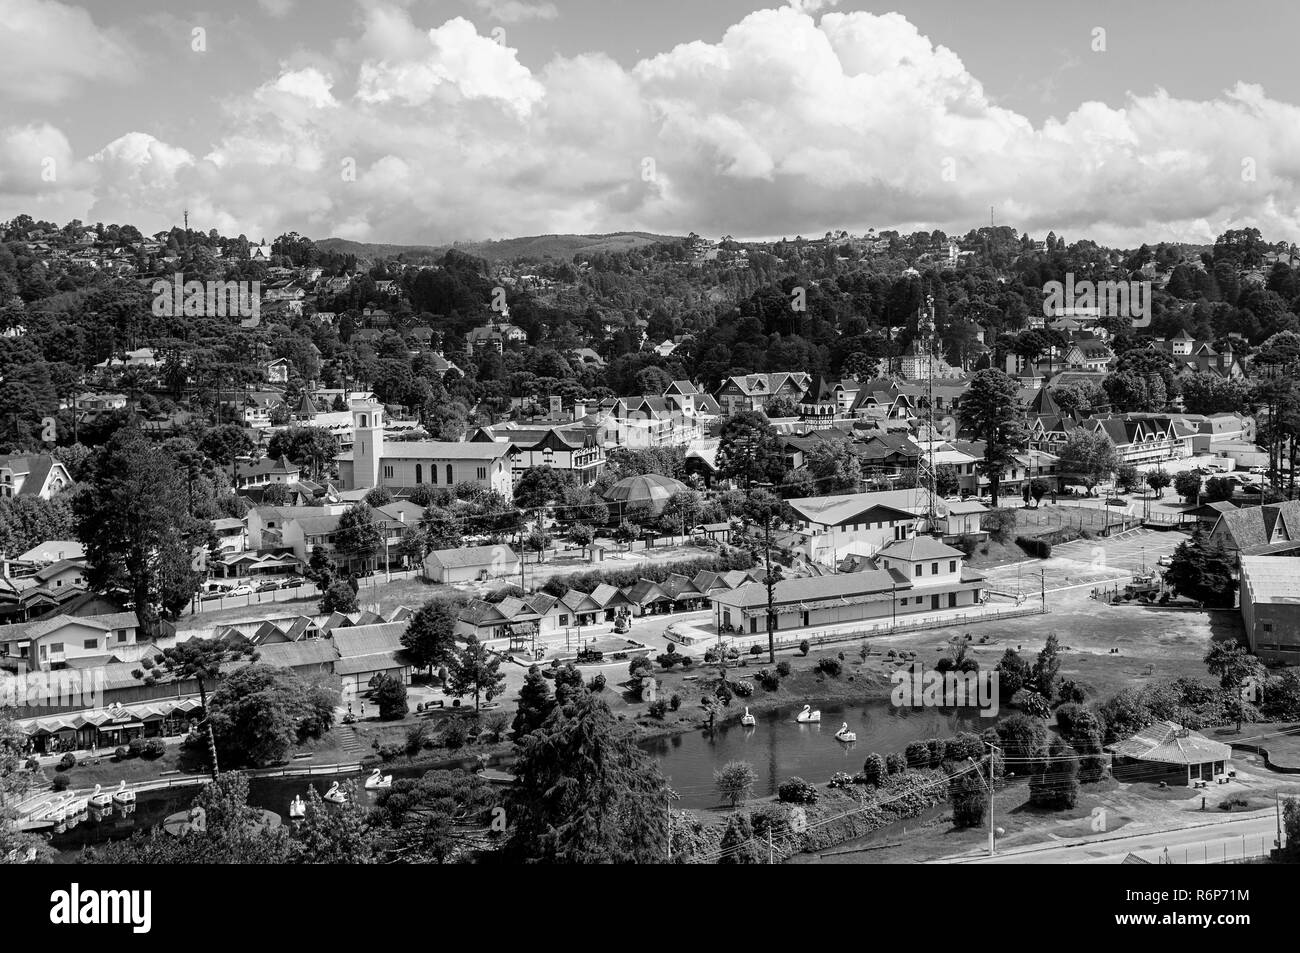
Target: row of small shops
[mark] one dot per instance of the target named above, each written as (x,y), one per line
(542,613)
(108,728)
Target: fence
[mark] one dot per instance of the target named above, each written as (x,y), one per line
(1222,852)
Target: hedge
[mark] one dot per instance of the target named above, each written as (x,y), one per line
(1035,546)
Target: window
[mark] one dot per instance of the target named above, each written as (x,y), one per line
(1268,628)
(450,481)
(481,472)
(121,635)
(934,569)
(564,620)
(419,473)
(952,565)
(90,644)
(919,567)
(388,471)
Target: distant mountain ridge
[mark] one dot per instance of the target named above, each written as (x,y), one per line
(540,247)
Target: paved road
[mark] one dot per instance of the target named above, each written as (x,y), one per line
(1212,842)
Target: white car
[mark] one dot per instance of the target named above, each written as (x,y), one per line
(239,591)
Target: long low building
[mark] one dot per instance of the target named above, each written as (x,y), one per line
(1270,607)
(915,575)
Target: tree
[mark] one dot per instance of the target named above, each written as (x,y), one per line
(201,660)
(735,782)
(1127,477)
(1014,673)
(259,712)
(339,597)
(1233,663)
(539,487)
(738,844)
(430,638)
(390,696)
(1201,570)
(582,534)
(1219,489)
(585,792)
(332,834)
(991,410)
(534,705)
(139,537)
(442,528)
(1090,455)
(309,447)
(15,845)
(1081,727)
(947,479)
(378,496)
(968,795)
(1054,778)
(1188,485)
(433,819)
(358,536)
(1158,479)
(1039,488)
(749,452)
(1047,668)
(475,671)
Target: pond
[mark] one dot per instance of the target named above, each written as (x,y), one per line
(779,747)
(272,794)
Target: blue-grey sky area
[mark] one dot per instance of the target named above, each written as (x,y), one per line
(436,120)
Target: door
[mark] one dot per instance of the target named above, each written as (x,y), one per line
(934,602)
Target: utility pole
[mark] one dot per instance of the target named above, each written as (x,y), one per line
(1042,586)
(771,585)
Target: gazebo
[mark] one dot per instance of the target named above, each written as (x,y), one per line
(650,488)
(1169,752)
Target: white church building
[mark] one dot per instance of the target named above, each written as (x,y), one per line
(408,463)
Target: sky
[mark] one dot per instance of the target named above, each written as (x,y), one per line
(429,121)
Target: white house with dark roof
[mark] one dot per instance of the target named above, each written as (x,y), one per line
(32,474)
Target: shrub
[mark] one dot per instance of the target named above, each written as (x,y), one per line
(1000,524)
(419,736)
(61,782)
(135,747)
(830,666)
(370,762)
(120,753)
(34,764)
(895,763)
(154,748)
(1034,546)
(675,702)
(769,680)
(658,709)
(639,667)
(783,669)
(840,779)
(917,754)
(389,752)
(743,689)
(804,647)
(874,769)
(938,751)
(455,733)
(797,791)
(687,661)
(668,660)
(755,650)
(69,760)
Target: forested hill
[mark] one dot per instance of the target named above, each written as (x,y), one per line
(538,247)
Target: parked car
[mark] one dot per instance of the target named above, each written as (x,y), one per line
(239,591)
(268,586)
(1116,502)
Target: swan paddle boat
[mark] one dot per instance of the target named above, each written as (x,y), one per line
(845,735)
(123,795)
(378,782)
(748,720)
(808,715)
(335,794)
(101,799)
(297,808)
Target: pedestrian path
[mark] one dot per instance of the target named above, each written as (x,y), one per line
(348,740)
